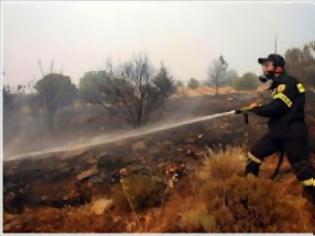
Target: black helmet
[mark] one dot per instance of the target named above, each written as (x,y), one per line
(276,59)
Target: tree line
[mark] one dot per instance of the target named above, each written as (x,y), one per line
(300,62)
(132,90)
(135,89)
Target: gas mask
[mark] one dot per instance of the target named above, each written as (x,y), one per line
(268,75)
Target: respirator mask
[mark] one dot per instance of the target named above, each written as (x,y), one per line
(268,75)
(277,61)
(267,78)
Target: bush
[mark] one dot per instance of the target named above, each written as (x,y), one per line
(198,221)
(251,204)
(220,165)
(232,203)
(193,83)
(248,81)
(142,191)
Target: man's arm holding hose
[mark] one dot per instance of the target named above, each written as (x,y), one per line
(281,103)
(273,109)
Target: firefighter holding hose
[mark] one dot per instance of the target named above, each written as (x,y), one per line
(287,128)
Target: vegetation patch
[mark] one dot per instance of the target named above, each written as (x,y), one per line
(138,192)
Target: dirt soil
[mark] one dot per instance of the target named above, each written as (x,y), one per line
(72,191)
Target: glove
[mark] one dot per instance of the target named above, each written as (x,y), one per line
(243,110)
(246,109)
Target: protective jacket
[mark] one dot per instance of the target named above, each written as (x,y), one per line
(286,110)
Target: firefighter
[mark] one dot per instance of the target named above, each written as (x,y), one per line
(287,128)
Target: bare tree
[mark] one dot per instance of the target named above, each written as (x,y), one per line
(134,90)
(217,73)
(300,62)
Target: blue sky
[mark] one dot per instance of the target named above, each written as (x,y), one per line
(186,36)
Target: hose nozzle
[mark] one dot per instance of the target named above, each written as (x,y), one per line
(243,110)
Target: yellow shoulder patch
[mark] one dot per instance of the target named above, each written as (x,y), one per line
(300,87)
(281,88)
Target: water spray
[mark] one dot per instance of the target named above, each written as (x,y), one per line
(134,133)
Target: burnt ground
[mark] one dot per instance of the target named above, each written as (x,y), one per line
(26,132)
(58,192)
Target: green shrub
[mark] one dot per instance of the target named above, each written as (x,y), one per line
(248,81)
(193,83)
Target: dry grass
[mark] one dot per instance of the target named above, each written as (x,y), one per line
(251,204)
(137,193)
(201,91)
(244,204)
(220,165)
(222,201)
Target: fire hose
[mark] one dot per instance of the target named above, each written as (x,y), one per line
(245,112)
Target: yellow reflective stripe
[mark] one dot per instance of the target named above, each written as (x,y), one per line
(283,98)
(253,158)
(300,87)
(309,182)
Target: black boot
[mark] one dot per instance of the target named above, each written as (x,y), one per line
(252,168)
(309,194)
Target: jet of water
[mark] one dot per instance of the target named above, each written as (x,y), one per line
(135,133)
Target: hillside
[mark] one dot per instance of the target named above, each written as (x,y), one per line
(188,179)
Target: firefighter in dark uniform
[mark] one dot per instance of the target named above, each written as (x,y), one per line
(288,131)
